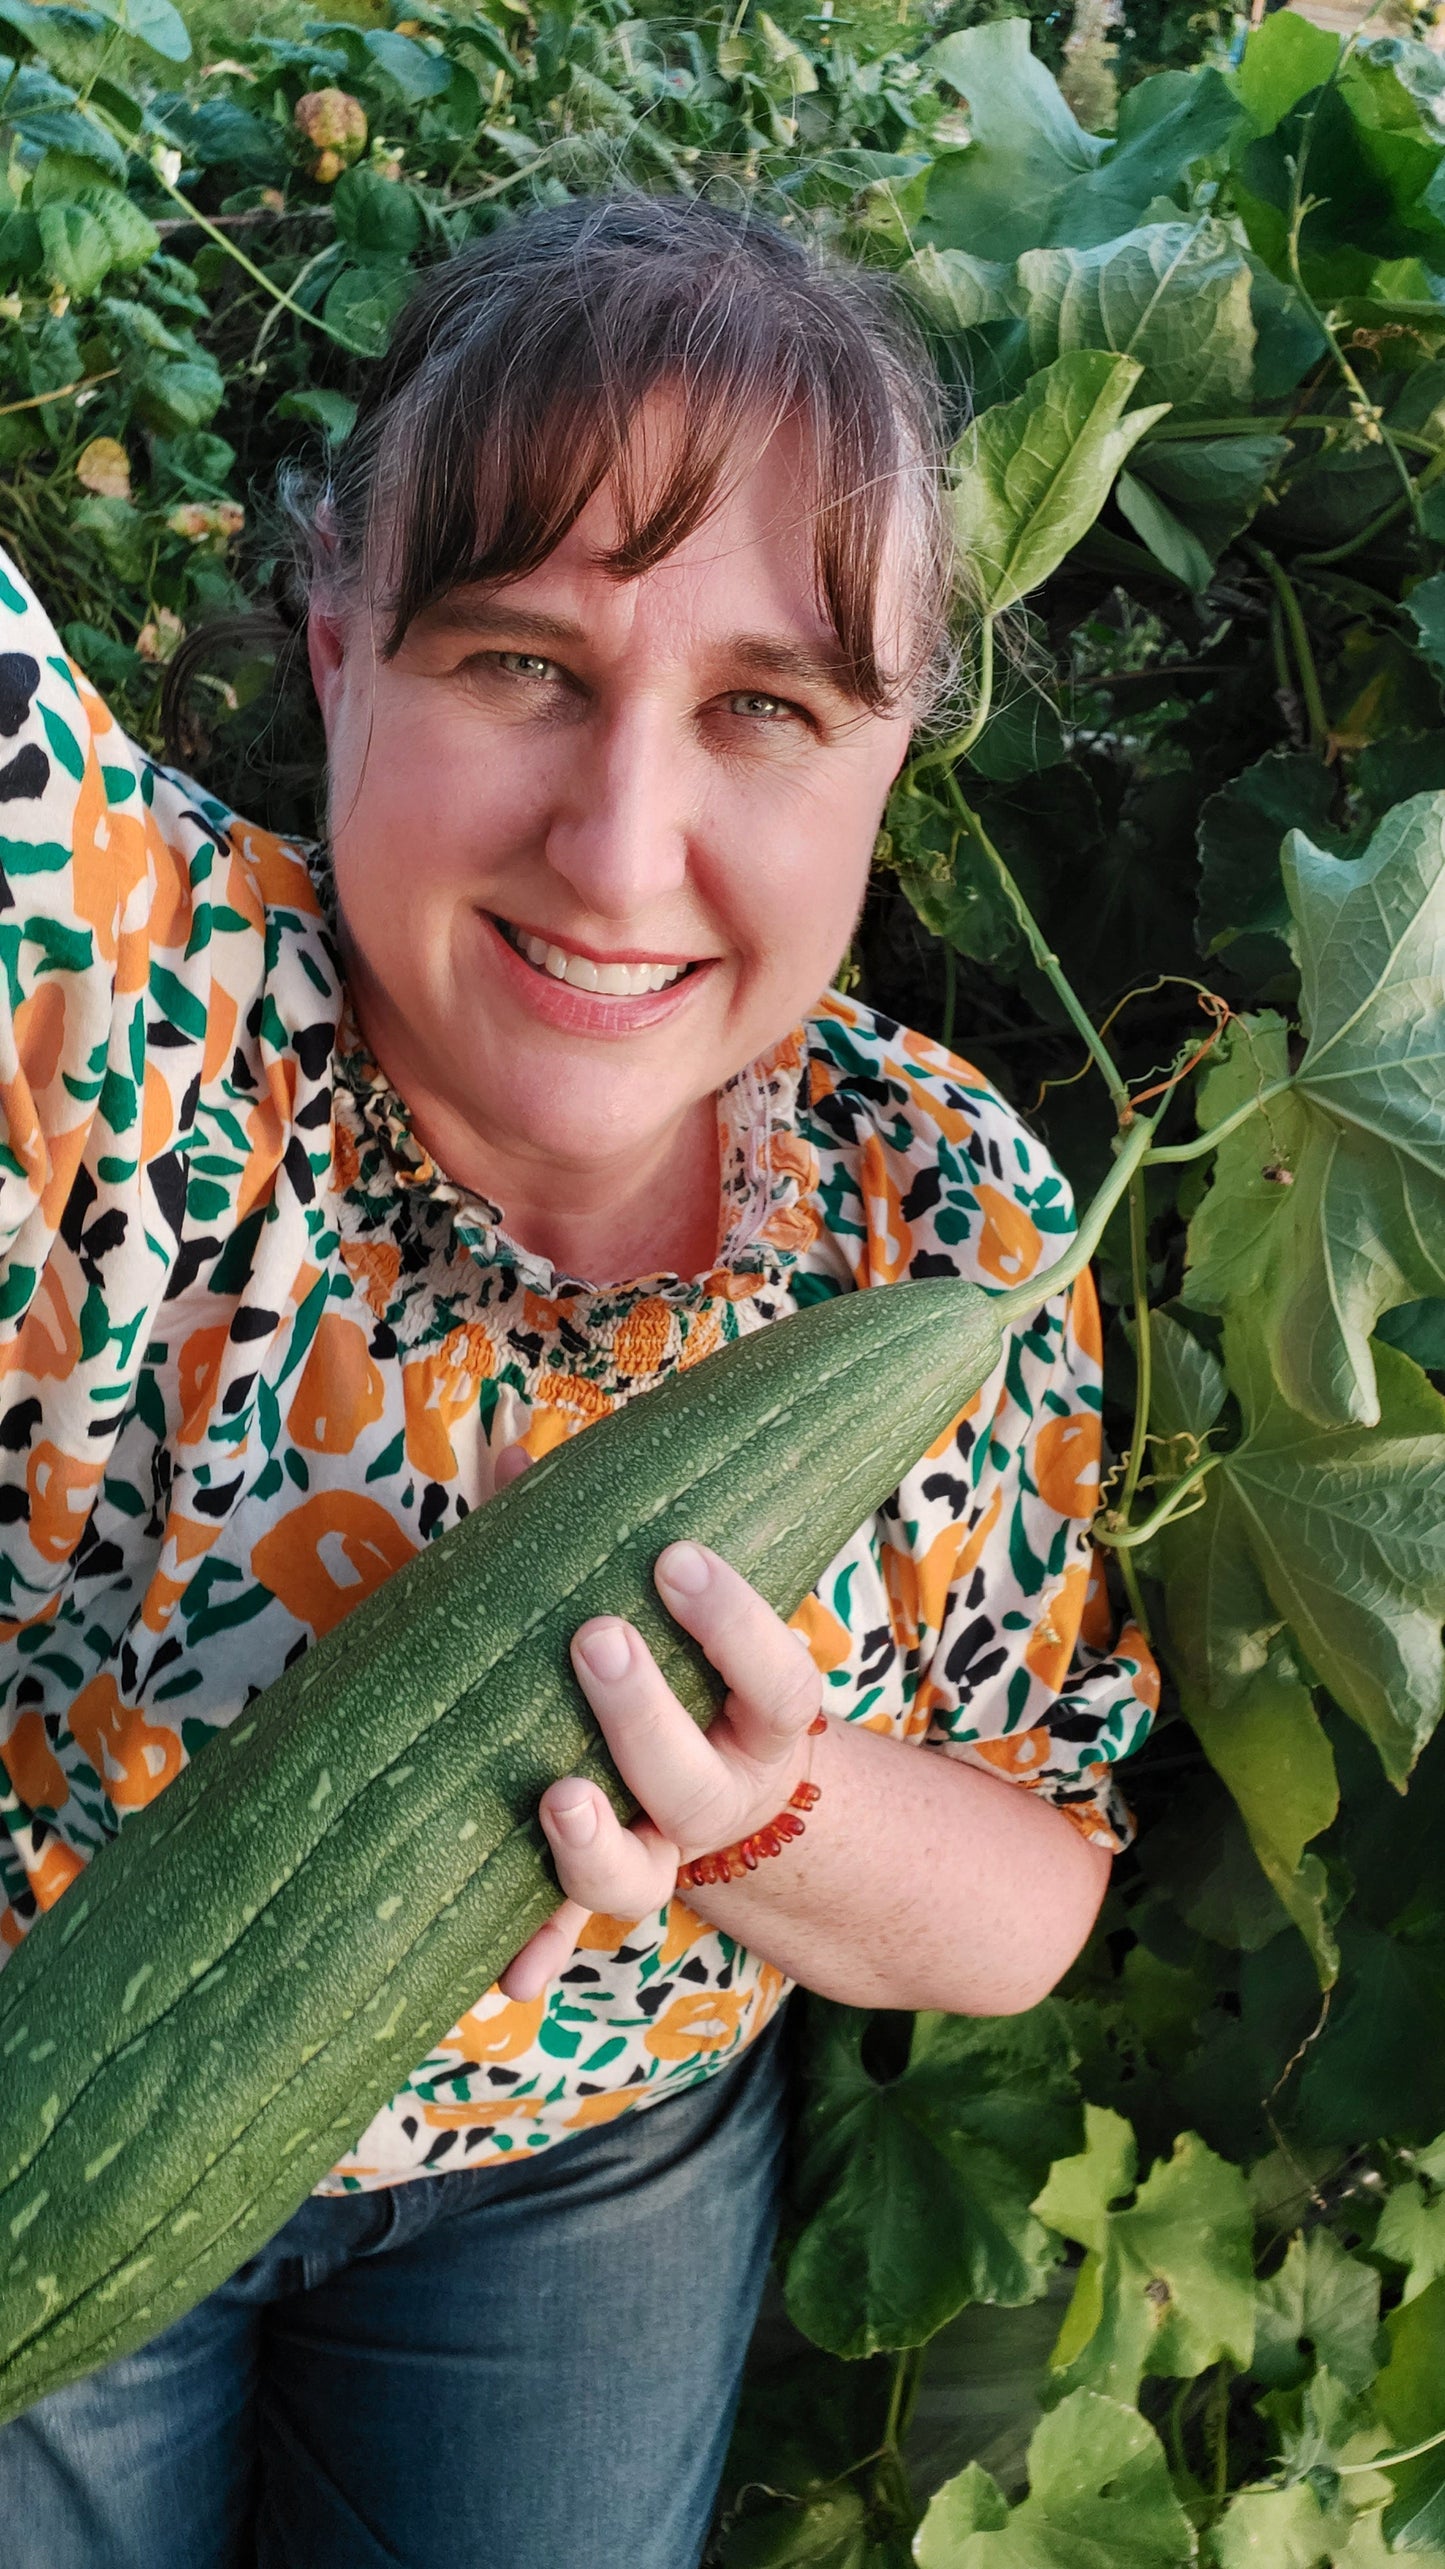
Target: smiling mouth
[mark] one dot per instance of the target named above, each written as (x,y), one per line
(606,980)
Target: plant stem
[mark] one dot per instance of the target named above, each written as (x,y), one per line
(258,276)
(1175,431)
(1173,1152)
(37,400)
(1377,525)
(1129,1537)
(1219,2434)
(1021,1300)
(1139,1272)
(902,2393)
(1038,945)
(1387,2461)
(1284,590)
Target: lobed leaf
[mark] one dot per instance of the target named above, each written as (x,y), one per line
(1099,2498)
(914,2194)
(1357,1223)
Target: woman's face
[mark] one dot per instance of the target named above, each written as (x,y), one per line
(599,841)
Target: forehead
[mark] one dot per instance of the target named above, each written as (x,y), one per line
(744,580)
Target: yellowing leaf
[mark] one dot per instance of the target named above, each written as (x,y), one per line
(104,467)
(1174,2287)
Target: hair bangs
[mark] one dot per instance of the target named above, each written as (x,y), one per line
(518,384)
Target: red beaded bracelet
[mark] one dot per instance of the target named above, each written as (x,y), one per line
(730,1863)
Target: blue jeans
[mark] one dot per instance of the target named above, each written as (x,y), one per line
(532,2366)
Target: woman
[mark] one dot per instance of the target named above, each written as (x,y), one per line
(339,1185)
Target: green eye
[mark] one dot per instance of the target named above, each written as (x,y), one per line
(760,707)
(523,664)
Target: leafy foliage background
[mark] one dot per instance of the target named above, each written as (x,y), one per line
(1184,860)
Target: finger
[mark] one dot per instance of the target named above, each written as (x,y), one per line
(774,1689)
(512,1462)
(625,1872)
(666,1762)
(546,1954)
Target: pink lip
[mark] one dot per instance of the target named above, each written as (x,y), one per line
(582,1012)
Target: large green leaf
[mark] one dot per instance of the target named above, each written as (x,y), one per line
(407,69)
(1244,911)
(155,23)
(376,218)
(1354,1221)
(1285,57)
(914,2192)
(1176,296)
(1167,2282)
(1239,1685)
(1030,173)
(1410,2396)
(1099,2498)
(1345,1528)
(1031,475)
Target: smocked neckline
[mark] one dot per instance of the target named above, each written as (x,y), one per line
(767,1170)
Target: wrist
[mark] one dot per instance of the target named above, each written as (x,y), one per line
(742,1856)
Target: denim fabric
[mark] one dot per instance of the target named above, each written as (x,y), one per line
(532,2366)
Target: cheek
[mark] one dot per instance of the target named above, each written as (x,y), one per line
(800,909)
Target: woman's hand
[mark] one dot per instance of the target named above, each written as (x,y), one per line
(698,1790)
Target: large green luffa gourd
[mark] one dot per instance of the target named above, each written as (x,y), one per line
(205,2023)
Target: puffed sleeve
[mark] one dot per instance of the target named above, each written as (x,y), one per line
(1020,1670)
(993,1636)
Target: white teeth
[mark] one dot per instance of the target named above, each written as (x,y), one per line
(609,980)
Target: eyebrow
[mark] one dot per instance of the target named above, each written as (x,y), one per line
(758,654)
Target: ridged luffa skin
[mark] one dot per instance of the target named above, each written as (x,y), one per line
(207,2020)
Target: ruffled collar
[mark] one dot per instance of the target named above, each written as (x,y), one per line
(768,1174)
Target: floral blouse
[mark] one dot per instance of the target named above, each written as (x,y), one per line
(256,1350)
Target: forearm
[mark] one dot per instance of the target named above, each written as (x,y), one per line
(920,1881)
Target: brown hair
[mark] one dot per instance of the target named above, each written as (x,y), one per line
(518,369)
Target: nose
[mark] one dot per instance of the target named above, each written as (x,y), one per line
(618,832)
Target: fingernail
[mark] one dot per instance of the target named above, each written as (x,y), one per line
(574,1821)
(607,1650)
(683,1567)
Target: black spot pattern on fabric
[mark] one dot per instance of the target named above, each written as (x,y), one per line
(313,1047)
(298,1169)
(924,1193)
(976,1656)
(248,1321)
(25,777)
(18,1425)
(19,678)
